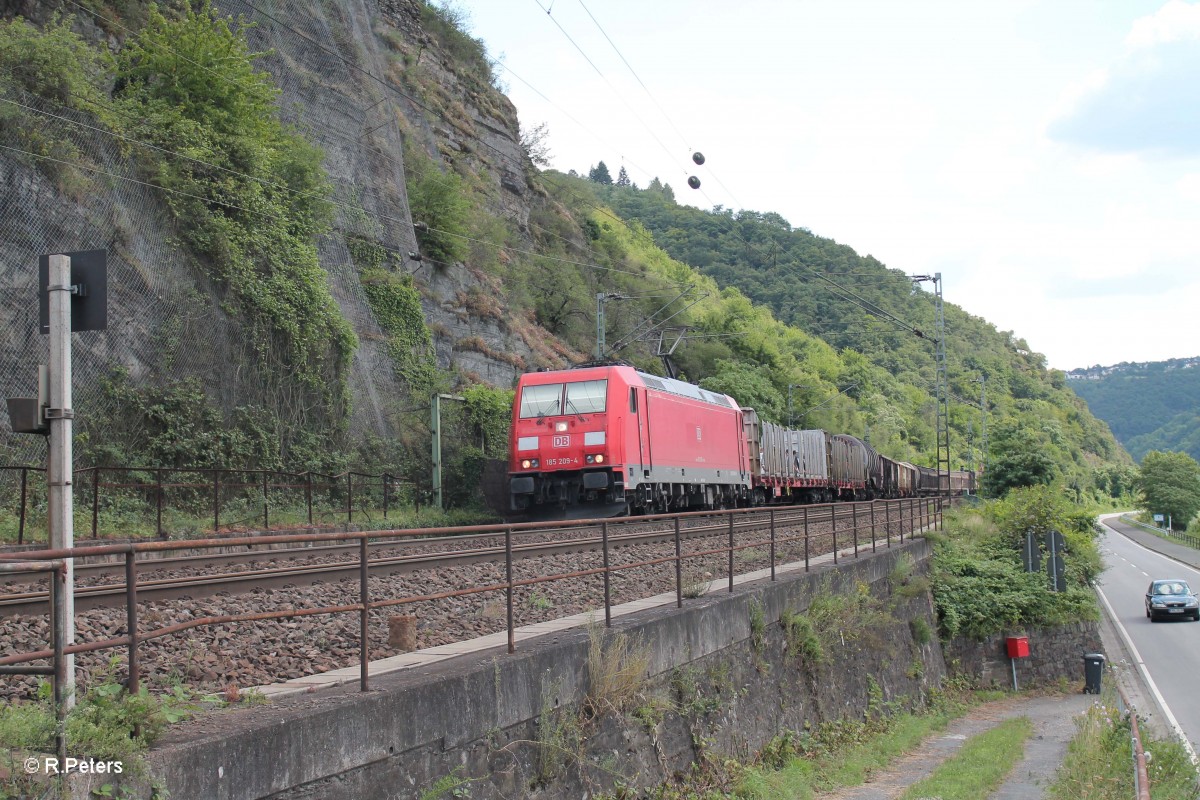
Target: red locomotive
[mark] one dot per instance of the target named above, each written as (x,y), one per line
(609,440)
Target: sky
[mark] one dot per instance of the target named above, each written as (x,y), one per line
(1042,155)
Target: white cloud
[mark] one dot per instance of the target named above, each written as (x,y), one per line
(1148,100)
(1176,21)
(1188,187)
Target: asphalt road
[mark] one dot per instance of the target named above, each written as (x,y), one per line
(1167,653)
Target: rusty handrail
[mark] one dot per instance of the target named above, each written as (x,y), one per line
(53,559)
(216,482)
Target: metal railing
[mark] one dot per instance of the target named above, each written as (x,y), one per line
(911,514)
(57,669)
(203,493)
(1141,775)
(1184,538)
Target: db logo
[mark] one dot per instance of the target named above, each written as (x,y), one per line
(562,441)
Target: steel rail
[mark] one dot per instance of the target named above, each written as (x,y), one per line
(197,586)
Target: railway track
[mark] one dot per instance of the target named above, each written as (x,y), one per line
(489,547)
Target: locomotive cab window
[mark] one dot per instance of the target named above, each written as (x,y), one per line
(632,400)
(586,397)
(541,401)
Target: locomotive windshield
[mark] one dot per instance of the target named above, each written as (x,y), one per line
(586,397)
(582,397)
(541,401)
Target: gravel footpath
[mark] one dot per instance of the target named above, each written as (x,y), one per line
(1053,718)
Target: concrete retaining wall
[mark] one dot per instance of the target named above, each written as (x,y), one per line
(721,678)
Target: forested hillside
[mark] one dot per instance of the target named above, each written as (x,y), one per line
(289,290)
(867,313)
(1148,406)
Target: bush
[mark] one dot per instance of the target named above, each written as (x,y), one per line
(440,207)
(250,202)
(980,586)
(54,63)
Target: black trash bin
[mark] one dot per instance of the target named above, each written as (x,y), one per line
(1093,671)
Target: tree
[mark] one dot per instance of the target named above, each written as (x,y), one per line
(749,384)
(661,189)
(1017,457)
(600,174)
(533,142)
(1170,485)
(623,178)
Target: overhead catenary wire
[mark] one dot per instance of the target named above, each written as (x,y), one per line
(841,290)
(266,182)
(564,112)
(654,100)
(604,77)
(633,72)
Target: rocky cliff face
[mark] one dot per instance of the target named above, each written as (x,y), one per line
(359,78)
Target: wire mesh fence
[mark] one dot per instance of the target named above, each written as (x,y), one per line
(71,184)
(184,503)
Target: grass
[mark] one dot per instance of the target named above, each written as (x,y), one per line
(979,767)
(235,517)
(617,667)
(1099,761)
(106,724)
(844,753)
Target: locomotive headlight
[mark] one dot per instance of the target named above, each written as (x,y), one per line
(600,459)
(560,427)
(590,459)
(526,464)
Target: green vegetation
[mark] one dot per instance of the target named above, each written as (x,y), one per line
(397,307)
(801,764)
(1099,761)
(1169,484)
(1020,458)
(977,769)
(250,199)
(449,786)
(441,208)
(1031,409)
(187,513)
(979,584)
(248,196)
(1149,406)
(617,667)
(249,202)
(52,62)
(107,724)
(802,639)
(179,425)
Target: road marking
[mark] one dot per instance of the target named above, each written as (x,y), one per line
(1137,658)
(1141,665)
(1104,519)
